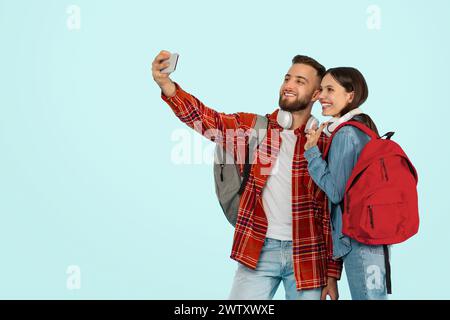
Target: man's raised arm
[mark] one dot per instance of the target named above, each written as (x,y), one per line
(194,113)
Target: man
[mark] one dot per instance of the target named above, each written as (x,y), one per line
(283,229)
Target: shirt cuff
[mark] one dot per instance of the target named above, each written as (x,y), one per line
(334,269)
(312,153)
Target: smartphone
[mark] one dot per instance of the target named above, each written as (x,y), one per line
(173,63)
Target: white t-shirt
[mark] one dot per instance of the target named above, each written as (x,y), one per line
(277,194)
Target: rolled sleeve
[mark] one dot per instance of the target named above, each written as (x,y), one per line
(334,269)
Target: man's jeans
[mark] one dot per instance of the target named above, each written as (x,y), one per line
(274,266)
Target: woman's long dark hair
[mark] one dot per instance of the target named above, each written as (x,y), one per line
(353,81)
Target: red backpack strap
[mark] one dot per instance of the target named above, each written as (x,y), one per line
(355,124)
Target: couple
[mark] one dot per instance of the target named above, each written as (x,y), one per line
(289,225)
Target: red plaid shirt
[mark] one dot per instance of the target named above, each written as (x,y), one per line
(311,243)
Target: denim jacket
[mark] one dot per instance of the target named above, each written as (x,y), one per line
(332,177)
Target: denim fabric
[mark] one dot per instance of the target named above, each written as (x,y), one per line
(364,264)
(366,272)
(274,266)
(332,177)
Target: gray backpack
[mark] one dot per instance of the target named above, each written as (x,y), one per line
(229,183)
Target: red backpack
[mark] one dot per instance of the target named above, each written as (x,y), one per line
(380,205)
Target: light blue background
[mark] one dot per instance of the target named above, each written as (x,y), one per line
(86,176)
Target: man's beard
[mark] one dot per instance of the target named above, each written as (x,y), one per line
(297,105)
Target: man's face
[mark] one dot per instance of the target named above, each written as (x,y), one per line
(300,87)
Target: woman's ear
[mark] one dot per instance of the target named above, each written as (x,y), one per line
(350,97)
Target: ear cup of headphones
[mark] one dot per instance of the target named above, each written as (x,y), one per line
(335,122)
(327,129)
(312,123)
(284,119)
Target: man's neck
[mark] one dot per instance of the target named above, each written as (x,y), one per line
(300,118)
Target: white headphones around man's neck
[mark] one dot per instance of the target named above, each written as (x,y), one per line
(333,123)
(285,119)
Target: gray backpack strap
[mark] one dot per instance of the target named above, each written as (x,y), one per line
(260,129)
(258,134)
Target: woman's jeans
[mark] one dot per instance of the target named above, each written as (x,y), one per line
(274,266)
(366,273)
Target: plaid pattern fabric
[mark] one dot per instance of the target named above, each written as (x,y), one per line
(312,244)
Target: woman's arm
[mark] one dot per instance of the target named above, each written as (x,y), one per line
(332,177)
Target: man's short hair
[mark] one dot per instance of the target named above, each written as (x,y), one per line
(310,62)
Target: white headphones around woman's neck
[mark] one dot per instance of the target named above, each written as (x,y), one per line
(285,119)
(333,123)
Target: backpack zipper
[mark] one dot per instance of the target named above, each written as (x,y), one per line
(371,217)
(383,167)
(221,171)
(347,205)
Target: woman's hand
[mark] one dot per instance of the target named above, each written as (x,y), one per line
(312,136)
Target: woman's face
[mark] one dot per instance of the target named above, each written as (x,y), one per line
(333,97)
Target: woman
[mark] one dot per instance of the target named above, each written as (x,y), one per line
(344,90)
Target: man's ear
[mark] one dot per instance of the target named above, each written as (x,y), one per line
(316,95)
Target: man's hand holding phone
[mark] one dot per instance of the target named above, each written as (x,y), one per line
(161,76)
